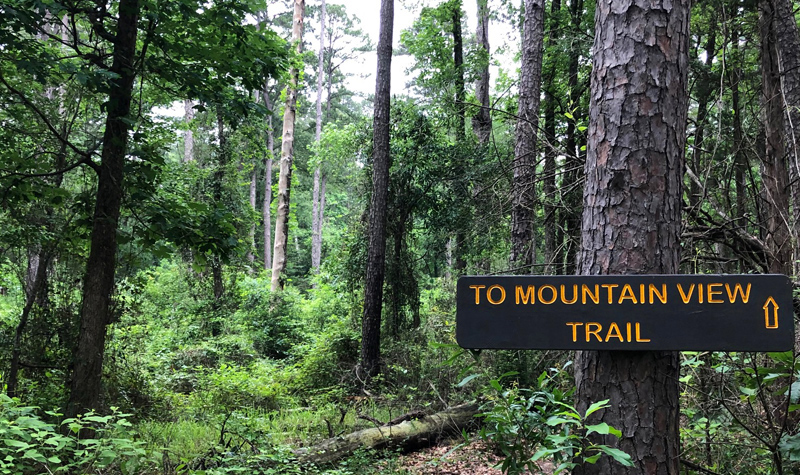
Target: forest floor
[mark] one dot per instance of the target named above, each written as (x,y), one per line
(475,458)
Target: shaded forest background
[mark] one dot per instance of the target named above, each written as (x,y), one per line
(199,282)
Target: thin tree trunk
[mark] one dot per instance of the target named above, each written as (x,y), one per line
(316,221)
(381,161)
(287,152)
(265,207)
(219,177)
(98,284)
(523,246)
(32,290)
(458,61)
(573,191)
(774,171)
(549,180)
(632,216)
(704,90)
(251,256)
(188,135)
(482,122)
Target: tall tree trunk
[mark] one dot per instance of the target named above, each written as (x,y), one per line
(704,90)
(788,42)
(774,172)
(523,247)
(381,161)
(219,178)
(458,61)
(632,215)
(573,191)
(98,284)
(287,152)
(482,122)
(550,200)
(316,222)
(188,135)
(460,97)
(265,207)
(251,256)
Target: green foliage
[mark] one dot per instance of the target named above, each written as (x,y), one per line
(29,444)
(527,425)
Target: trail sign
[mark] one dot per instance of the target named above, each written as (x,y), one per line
(626,312)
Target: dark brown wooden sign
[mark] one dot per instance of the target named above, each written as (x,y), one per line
(626,312)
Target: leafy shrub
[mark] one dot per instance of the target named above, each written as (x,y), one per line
(527,425)
(28,444)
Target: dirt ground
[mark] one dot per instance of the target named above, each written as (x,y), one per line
(476,458)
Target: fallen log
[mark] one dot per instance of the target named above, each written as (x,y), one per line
(407,436)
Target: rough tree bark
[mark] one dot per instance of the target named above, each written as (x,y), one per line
(287,152)
(632,214)
(316,219)
(774,171)
(482,122)
(381,160)
(788,43)
(98,283)
(523,246)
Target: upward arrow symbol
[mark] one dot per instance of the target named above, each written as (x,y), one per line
(774,305)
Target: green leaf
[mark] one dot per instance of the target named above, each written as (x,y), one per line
(604,429)
(16,443)
(596,407)
(617,455)
(466,380)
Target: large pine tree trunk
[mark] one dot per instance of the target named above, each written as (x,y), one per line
(376,255)
(632,215)
(788,42)
(482,122)
(316,200)
(98,284)
(774,171)
(287,152)
(523,245)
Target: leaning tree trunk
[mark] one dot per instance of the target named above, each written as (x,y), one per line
(482,122)
(376,254)
(85,388)
(774,171)
(407,435)
(523,245)
(287,152)
(632,215)
(316,200)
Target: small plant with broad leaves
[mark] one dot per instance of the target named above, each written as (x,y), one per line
(529,425)
(29,444)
